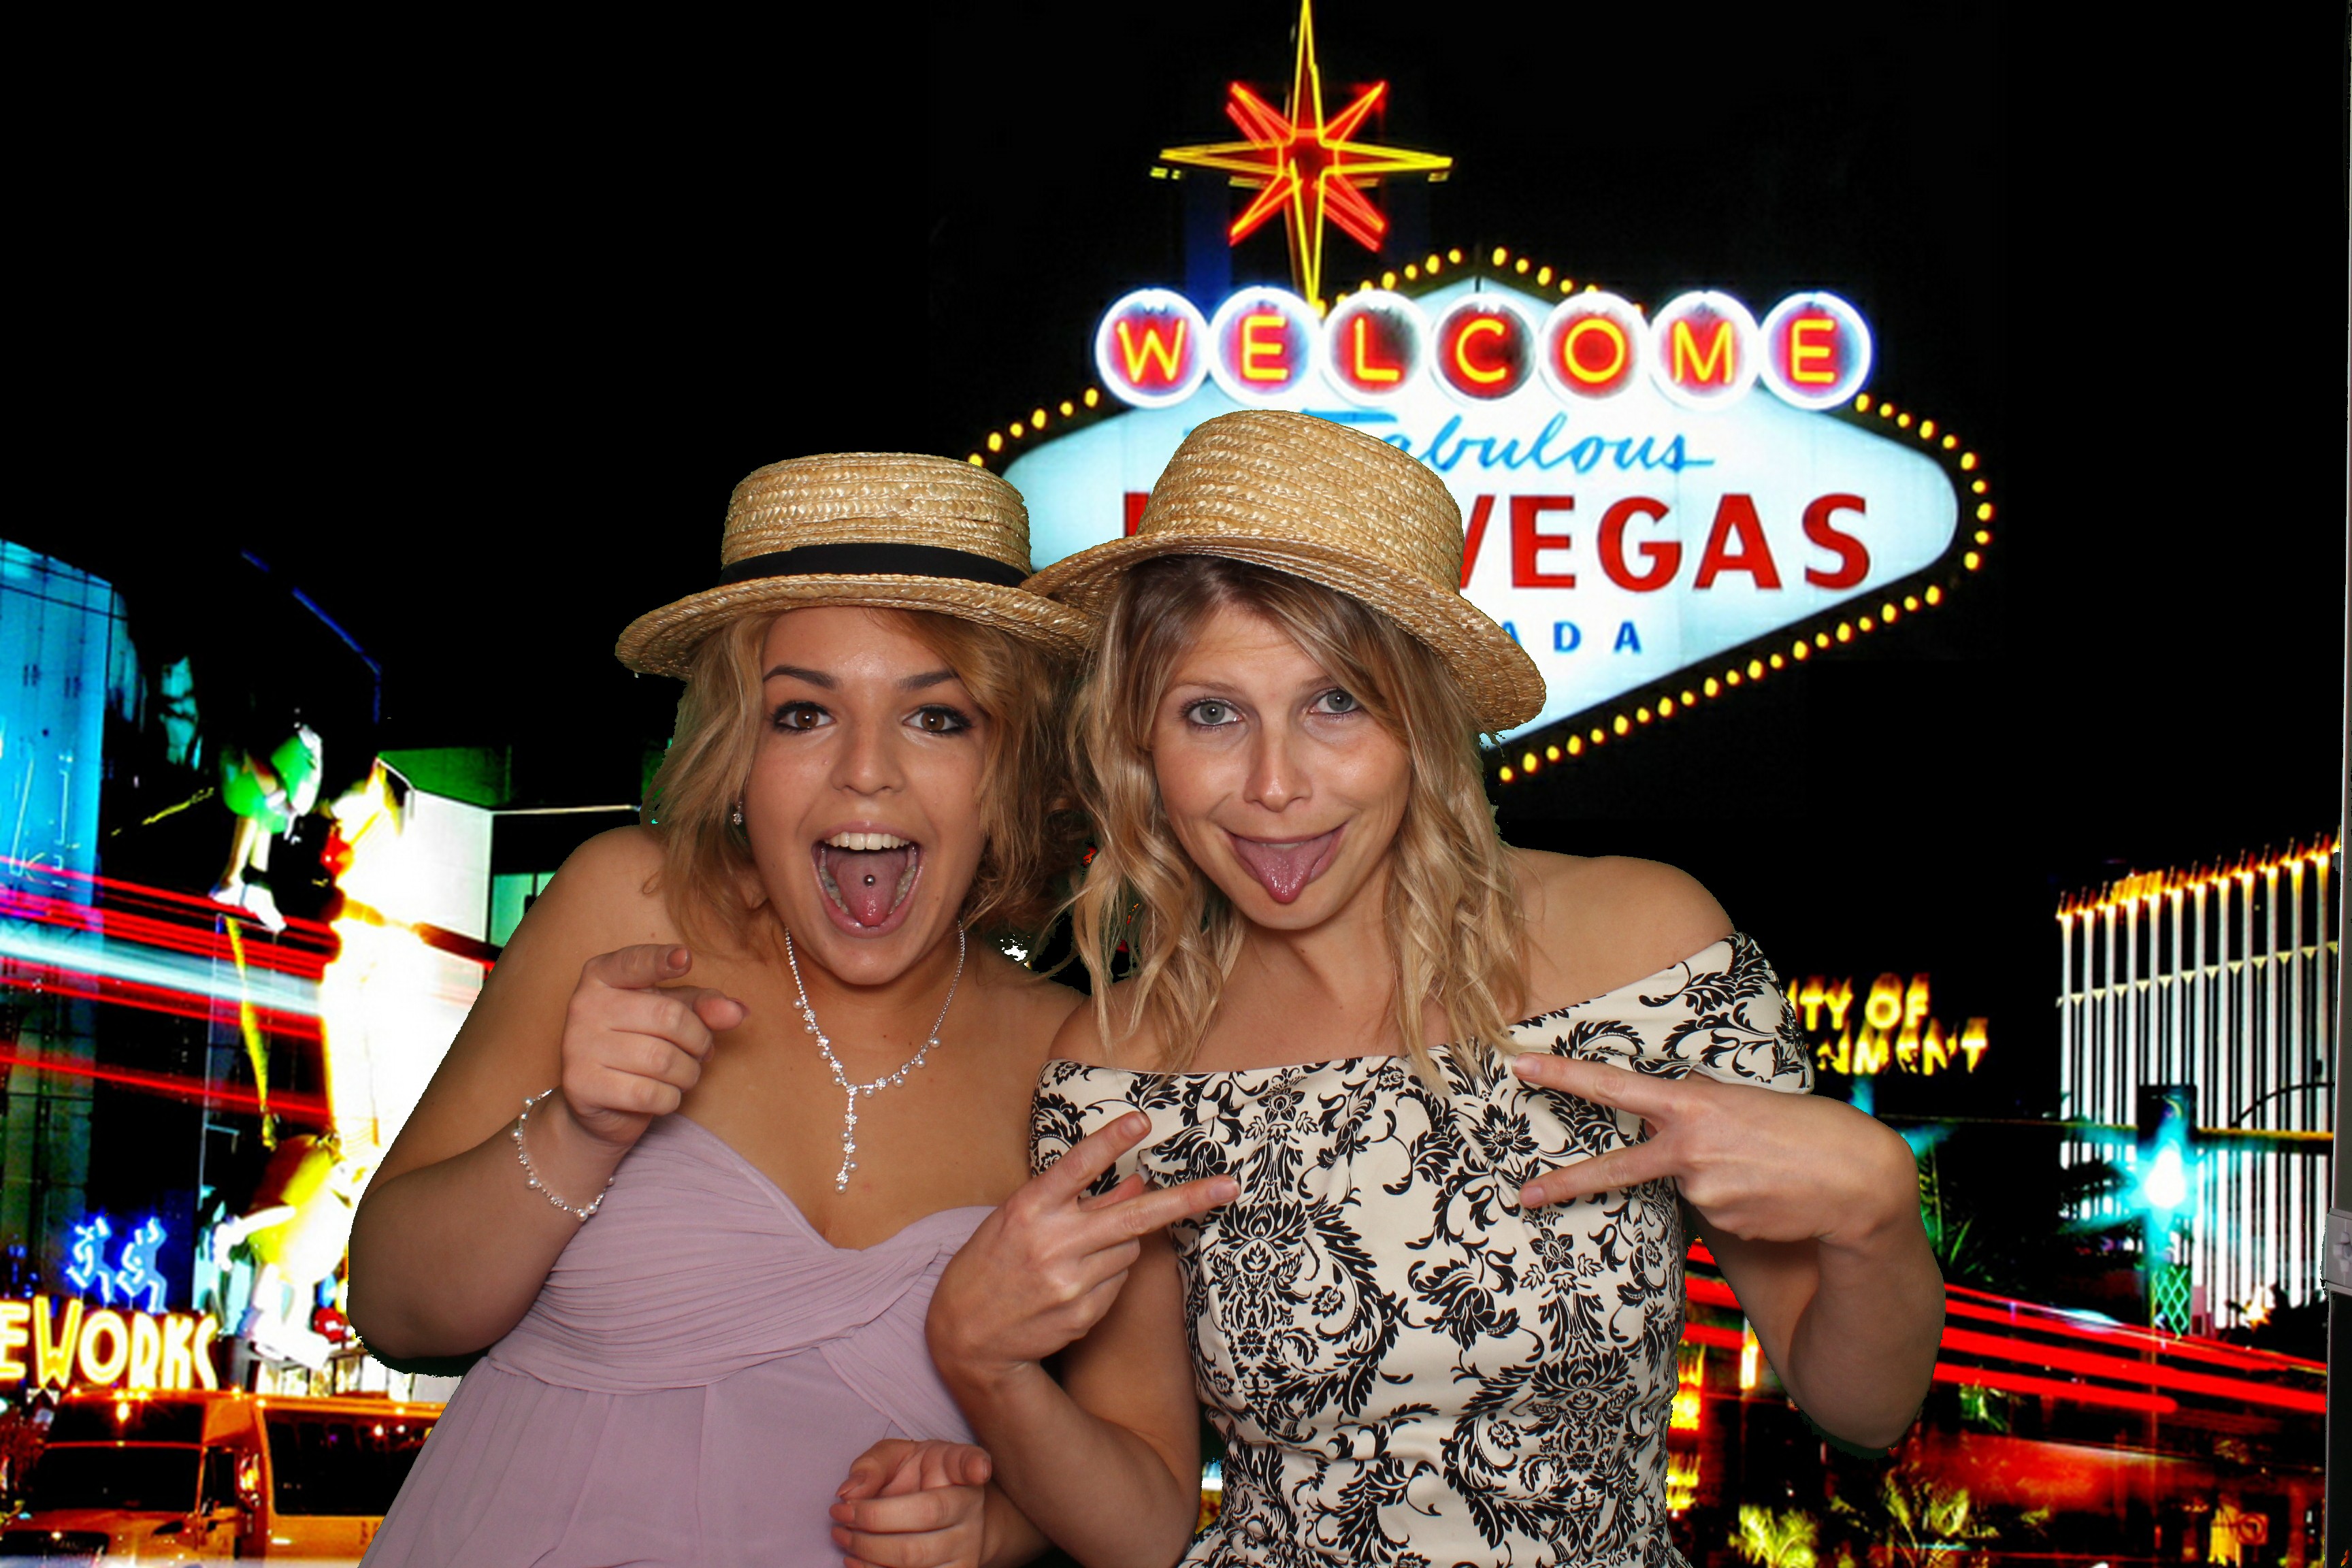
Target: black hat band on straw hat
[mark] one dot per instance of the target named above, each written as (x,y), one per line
(878,559)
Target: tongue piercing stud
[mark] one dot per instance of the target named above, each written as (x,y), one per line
(869,881)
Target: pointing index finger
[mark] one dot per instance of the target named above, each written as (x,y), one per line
(1159,1207)
(1093,1154)
(1645,1095)
(639,968)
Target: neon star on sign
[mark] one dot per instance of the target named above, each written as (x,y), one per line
(1306,165)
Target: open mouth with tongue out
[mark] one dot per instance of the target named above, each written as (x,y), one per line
(1283,867)
(867,877)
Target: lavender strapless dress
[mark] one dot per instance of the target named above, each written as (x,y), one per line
(692,1384)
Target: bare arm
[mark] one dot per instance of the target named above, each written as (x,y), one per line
(1812,1210)
(1850,1321)
(451,1245)
(1811,1206)
(1106,1461)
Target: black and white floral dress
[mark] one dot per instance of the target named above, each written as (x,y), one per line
(1406,1368)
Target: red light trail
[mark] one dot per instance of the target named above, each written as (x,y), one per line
(2147,1364)
(307,1108)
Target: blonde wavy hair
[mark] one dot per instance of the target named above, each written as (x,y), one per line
(1028,812)
(1453,918)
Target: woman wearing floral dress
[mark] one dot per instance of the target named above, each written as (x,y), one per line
(1436,1316)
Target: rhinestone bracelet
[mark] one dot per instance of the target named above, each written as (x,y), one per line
(531,1102)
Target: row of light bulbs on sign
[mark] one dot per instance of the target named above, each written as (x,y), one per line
(1623,725)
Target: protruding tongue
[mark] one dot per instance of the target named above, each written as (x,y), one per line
(867,881)
(1283,869)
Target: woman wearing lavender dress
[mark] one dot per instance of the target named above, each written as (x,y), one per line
(769,1074)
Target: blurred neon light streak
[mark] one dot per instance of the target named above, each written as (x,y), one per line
(2117,1336)
(2079,1393)
(146,998)
(309,1108)
(207,939)
(297,930)
(2128,1360)
(2152,1374)
(86,952)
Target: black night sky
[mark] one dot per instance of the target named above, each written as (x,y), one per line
(470,337)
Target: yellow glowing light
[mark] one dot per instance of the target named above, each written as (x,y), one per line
(1543,276)
(1018,431)
(1934,595)
(1867,623)
(1575,744)
(1068,408)
(1977,486)
(1506,776)
(1410,272)
(1521,264)
(1982,536)
(1984,511)
(1710,687)
(1968,460)
(1910,601)
(1731,678)
(1801,651)
(1551,754)
(1862,403)
(1568,285)
(1430,263)
(1528,762)
(1642,714)
(1500,256)
(1777,662)
(1597,737)
(1972,560)
(1687,698)
(1387,280)
(1454,256)
(1903,421)
(1951,442)
(1820,639)
(1844,632)
(1037,419)
(1621,726)
(995,442)
(1926,428)
(1684,1417)
(1886,613)
(1666,707)
(2150,886)
(977,461)
(1754,669)
(1887,411)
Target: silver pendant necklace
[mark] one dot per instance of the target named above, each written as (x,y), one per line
(849,1111)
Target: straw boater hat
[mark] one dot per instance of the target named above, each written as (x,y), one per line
(884,531)
(1334,506)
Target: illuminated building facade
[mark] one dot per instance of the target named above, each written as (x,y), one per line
(2223,981)
(220,992)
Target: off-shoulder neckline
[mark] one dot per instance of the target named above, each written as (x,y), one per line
(1734,940)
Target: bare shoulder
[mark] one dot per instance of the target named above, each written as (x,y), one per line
(1081,1036)
(1033,1008)
(605,896)
(1597,922)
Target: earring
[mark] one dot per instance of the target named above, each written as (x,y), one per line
(736,818)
